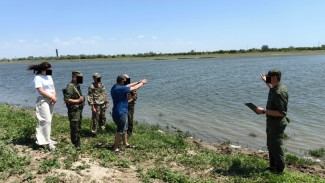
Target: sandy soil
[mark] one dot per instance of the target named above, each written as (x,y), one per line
(97,173)
(317,169)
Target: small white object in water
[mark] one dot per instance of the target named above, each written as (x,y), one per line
(233,146)
(311,158)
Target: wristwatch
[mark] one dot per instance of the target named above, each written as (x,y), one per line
(264,111)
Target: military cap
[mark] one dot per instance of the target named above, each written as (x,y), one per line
(96,75)
(274,72)
(76,73)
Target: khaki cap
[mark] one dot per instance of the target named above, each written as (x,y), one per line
(96,75)
(274,72)
(76,73)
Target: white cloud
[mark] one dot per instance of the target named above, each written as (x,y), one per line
(97,38)
(44,45)
(90,41)
(66,43)
(140,36)
(77,39)
(21,41)
(56,40)
(154,37)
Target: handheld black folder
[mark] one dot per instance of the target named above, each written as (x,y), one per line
(251,106)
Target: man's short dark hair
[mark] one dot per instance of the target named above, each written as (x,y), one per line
(120,78)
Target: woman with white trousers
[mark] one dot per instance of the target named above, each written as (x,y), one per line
(46,98)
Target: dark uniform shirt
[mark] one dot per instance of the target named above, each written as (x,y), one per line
(278,101)
(132,95)
(71,92)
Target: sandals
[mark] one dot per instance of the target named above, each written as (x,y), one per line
(118,152)
(130,146)
(53,141)
(51,147)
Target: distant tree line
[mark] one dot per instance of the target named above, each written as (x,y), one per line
(264,48)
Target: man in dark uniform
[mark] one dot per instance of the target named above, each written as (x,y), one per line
(132,97)
(75,103)
(276,120)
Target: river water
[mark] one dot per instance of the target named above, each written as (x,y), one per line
(202,96)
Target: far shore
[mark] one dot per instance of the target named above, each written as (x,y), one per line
(172,57)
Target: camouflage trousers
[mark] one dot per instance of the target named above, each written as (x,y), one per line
(75,118)
(98,117)
(130,119)
(275,134)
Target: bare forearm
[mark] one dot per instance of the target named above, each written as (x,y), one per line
(72,101)
(137,86)
(273,113)
(54,92)
(264,79)
(132,84)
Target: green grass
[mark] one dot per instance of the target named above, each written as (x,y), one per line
(317,152)
(10,162)
(48,164)
(294,159)
(167,157)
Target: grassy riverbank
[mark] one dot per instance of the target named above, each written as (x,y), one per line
(158,157)
(168,57)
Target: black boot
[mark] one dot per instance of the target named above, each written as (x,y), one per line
(78,145)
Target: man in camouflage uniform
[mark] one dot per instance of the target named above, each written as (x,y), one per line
(132,97)
(75,103)
(97,99)
(276,120)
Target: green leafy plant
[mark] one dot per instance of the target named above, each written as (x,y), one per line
(317,152)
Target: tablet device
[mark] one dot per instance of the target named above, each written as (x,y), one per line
(251,106)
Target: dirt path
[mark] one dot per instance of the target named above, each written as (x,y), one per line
(97,173)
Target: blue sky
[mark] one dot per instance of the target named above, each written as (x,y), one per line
(38,27)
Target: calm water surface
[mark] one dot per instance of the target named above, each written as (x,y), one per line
(203,96)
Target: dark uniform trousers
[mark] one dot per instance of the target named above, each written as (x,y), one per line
(130,119)
(75,118)
(275,134)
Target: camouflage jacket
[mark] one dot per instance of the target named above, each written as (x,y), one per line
(134,95)
(96,94)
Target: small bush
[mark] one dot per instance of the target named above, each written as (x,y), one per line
(291,158)
(317,152)
(48,164)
